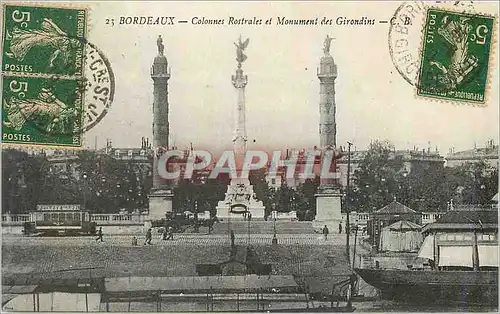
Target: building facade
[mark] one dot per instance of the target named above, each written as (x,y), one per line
(488,154)
(411,158)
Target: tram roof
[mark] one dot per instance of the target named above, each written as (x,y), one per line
(193,284)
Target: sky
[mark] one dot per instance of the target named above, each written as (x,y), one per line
(282,95)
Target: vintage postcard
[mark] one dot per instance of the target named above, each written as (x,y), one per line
(164,156)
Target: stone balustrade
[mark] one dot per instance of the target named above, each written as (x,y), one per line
(100,219)
(15,220)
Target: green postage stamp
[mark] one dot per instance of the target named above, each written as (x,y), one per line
(42,73)
(455,56)
(44,111)
(44,40)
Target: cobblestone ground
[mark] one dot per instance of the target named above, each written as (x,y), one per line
(179,239)
(308,257)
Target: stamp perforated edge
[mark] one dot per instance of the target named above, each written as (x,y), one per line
(491,60)
(54,5)
(88,29)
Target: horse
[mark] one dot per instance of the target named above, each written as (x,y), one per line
(209,223)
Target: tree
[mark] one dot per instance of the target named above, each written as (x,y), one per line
(473,183)
(305,199)
(262,190)
(23,176)
(376,182)
(426,188)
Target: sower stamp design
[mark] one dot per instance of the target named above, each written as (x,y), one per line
(38,110)
(455,56)
(44,40)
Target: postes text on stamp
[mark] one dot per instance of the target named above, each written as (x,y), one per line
(44,40)
(43,111)
(455,56)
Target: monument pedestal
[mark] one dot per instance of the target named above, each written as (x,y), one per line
(240,200)
(328,209)
(160,203)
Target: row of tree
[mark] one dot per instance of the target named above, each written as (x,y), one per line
(96,181)
(427,186)
(104,185)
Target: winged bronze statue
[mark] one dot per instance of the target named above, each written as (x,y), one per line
(50,35)
(240,46)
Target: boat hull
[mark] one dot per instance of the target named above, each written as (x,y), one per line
(468,286)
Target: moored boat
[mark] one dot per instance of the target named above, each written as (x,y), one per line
(462,253)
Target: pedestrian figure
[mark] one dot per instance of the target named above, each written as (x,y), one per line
(249,216)
(325,232)
(134,241)
(210,225)
(170,233)
(232,238)
(149,237)
(164,233)
(99,235)
(340,228)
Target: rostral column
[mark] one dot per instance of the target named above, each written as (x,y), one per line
(160,197)
(328,198)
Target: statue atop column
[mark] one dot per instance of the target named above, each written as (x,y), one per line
(326,47)
(161,47)
(240,46)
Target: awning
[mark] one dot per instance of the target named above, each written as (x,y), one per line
(427,249)
(455,256)
(404,225)
(488,255)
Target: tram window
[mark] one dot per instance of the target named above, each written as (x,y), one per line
(77,216)
(54,217)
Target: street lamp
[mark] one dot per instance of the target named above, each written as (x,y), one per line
(275,240)
(196,227)
(84,190)
(405,195)
(348,227)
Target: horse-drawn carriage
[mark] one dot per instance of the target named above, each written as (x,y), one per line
(180,222)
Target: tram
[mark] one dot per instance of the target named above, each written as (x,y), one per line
(54,220)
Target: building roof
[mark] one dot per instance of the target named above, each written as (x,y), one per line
(404,225)
(465,220)
(490,152)
(202,284)
(406,155)
(395,207)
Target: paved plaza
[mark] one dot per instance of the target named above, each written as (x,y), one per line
(306,256)
(189,239)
